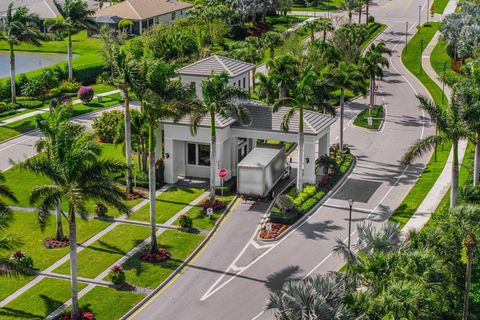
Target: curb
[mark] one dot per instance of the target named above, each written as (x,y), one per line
(181,267)
(315,207)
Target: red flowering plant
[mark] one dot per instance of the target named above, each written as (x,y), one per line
(161,255)
(22,259)
(85,315)
(276,229)
(116,275)
(217,205)
(85,94)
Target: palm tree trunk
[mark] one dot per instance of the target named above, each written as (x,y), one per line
(73,263)
(324,35)
(12,75)
(468,279)
(476,164)
(59,230)
(300,153)
(128,143)
(360,15)
(70,63)
(342,102)
(152,189)
(272,53)
(372,92)
(367,5)
(350,14)
(454,191)
(213,156)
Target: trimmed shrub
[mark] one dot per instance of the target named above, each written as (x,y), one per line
(30,104)
(87,74)
(371,19)
(288,217)
(106,126)
(85,94)
(22,259)
(101,209)
(284,203)
(71,86)
(185,221)
(117,275)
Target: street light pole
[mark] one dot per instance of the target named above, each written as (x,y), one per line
(419,19)
(350,204)
(428,9)
(406,37)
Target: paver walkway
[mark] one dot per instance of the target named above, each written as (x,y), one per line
(442,185)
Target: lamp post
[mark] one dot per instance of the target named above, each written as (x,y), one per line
(406,37)
(428,9)
(419,14)
(350,205)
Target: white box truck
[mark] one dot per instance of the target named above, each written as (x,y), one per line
(260,170)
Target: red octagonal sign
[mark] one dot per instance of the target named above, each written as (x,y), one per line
(222,173)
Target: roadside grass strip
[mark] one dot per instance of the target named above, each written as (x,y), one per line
(108,303)
(97,257)
(439,6)
(39,301)
(377,113)
(180,244)
(440,59)
(168,204)
(25,228)
(28,124)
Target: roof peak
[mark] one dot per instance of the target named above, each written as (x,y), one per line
(217,64)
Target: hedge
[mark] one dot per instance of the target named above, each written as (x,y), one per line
(88,74)
(289,217)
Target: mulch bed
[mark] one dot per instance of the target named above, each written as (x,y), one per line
(85,315)
(53,243)
(161,255)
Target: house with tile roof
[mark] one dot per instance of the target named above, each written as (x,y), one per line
(186,155)
(44,9)
(144,13)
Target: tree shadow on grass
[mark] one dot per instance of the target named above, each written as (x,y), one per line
(14,313)
(107,248)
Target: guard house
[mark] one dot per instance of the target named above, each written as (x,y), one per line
(189,156)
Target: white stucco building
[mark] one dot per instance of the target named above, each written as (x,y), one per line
(189,156)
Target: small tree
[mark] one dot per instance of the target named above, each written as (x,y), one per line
(86,94)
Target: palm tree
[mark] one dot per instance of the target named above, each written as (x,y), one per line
(346,76)
(469,242)
(350,6)
(78,175)
(373,63)
(452,127)
(285,71)
(75,15)
(17,29)
(324,26)
(267,87)
(319,297)
(217,99)
(367,4)
(125,75)
(271,40)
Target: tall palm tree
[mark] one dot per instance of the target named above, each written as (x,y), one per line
(373,63)
(272,40)
(319,297)
(285,70)
(367,4)
(325,26)
(346,76)
(452,127)
(75,15)
(78,175)
(18,28)
(266,87)
(350,6)
(217,99)
(469,242)
(302,96)
(126,72)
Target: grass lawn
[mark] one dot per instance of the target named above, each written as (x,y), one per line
(200,218)
(18,127)
(168,204)
(97,257)
(102,88)
(39,301)
(440,59)
(86,48)
(377,114)
(439,5)
(108,303)
(179,243)
(412,59)
(331,5)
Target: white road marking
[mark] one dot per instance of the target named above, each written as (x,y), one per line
(261,246)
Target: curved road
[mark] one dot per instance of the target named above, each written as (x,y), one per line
(233,275)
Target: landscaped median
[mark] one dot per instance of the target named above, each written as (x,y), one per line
(292,206)
(377,115)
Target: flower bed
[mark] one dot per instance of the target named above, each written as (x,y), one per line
(217,205)
(161,255)
(85,315)
(52,243)
(276,230)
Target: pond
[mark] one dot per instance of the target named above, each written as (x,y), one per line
(28,61)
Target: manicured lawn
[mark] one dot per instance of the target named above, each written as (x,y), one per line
(200,218)
(440,5)
(422,187)
(97,257)
(109,304)
(412,59)
(86,48)
(168,204)
(39,301)
(179,243)
(441,59)
(377,115)
(102,88)
(18,127)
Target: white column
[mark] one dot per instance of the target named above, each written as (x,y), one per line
(169,162)
(141,26)
(158,142)
(218,162)
(234,153)
(323,145)
(309,175)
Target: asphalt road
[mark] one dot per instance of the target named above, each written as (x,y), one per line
(232,277)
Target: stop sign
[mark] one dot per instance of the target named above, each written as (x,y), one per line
(222,173)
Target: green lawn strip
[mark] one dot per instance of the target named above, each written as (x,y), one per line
(180,244)
(422,187)
(97,257)
(85,48)
(102,88)
(440,59)
(439,6)
(18,127)
(412,59)
(200,218)
(39,301)
(168,203)
(108,303)
(377,114)
(331,5)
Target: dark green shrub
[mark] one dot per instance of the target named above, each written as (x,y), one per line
(288,217)
(284,203)
(117,275)
(87,74)
(185,221)
(85,94)
(107,125)
(22,259)
(30,104)
(371,19)
(101,209)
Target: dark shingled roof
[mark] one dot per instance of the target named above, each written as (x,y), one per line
(217,64)
(263,119)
